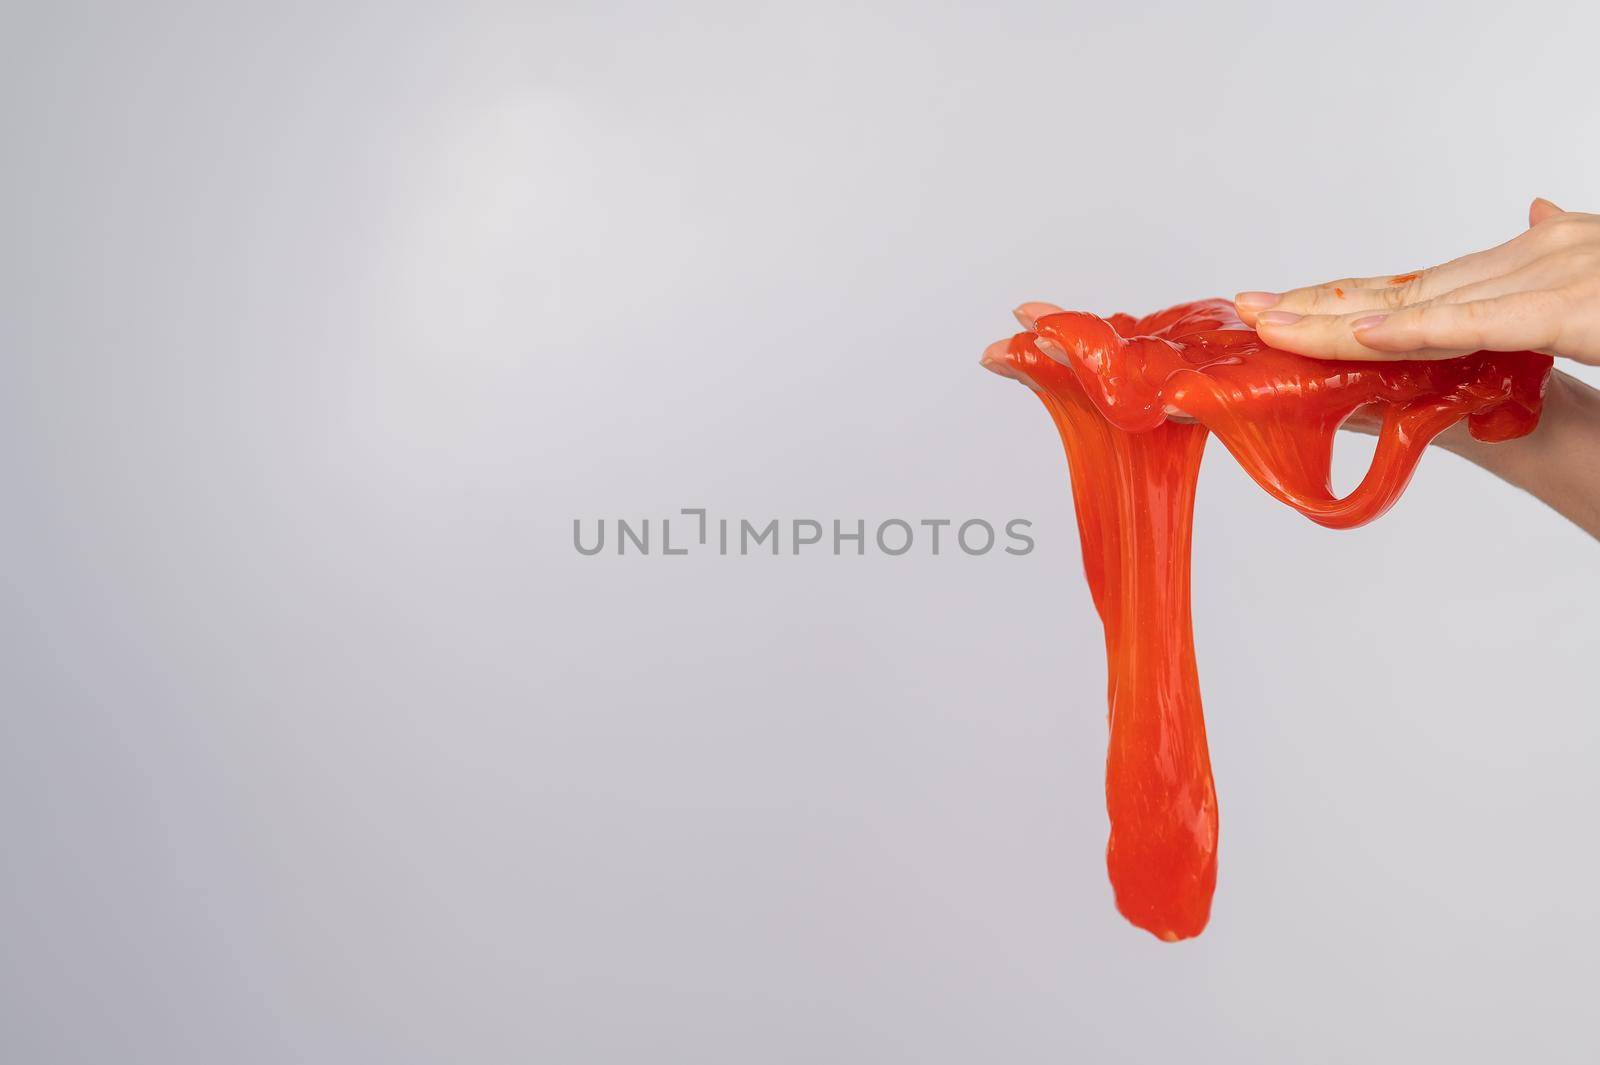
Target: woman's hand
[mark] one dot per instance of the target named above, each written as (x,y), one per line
(1539,291)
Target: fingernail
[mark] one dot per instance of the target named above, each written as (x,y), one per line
(1257,299)
(1052,350)
(1030,313)
(997,358)
(1277,318)
(1368,322)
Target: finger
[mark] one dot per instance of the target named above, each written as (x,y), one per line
(1335,297)
(1394,291)
(1540,210)
(1346,296)
(1421,285)
(1545,273)
(1320,336)
(1518,321)
(1346,337)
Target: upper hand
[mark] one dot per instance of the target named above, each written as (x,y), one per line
(1539,291)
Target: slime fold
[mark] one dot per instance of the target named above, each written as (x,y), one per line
(1114,387)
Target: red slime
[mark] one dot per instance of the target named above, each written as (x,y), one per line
(1113,387)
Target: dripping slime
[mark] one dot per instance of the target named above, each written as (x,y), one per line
(1134,401)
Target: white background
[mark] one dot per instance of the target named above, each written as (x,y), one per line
(322,744)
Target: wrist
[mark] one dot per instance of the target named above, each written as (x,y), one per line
(1559,462)
(1564,401)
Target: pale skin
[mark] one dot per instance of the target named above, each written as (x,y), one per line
(1539,291)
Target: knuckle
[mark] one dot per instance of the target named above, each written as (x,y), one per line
(1298,300)
(1559,304)
(1552,314)
(1582,259)
(1451,325)
(1563,231)
(1583,293)
(1313,300)
(1400,295)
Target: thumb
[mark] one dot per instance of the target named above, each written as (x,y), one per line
(1540,210)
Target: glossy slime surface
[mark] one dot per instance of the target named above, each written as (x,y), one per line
(1114,387)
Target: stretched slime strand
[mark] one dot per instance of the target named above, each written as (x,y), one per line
(1111,385)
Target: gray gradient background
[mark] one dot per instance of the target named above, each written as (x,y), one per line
(321,744)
